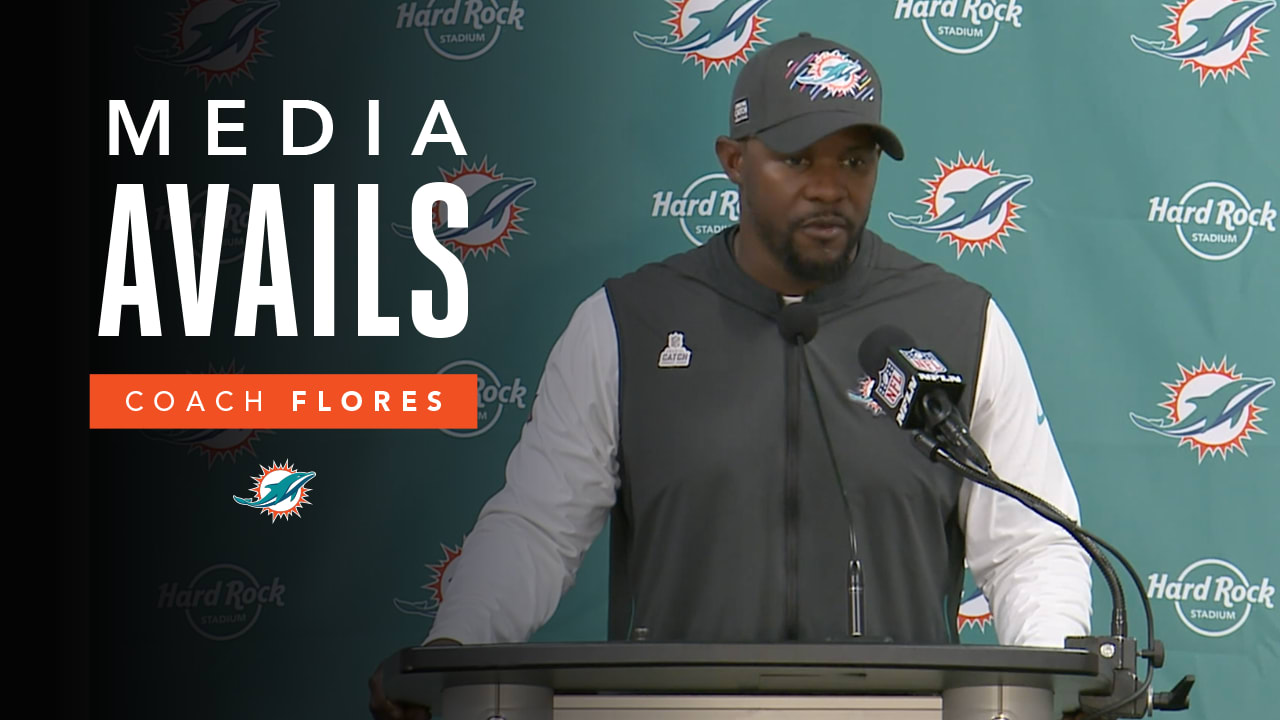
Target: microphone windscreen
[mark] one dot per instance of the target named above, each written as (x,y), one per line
(798,321)
(879,345)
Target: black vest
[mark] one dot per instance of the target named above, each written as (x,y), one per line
(730,525)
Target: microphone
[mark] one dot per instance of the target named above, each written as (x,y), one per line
(798,324)
(917,384)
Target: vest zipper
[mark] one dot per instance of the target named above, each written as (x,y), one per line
(791,503)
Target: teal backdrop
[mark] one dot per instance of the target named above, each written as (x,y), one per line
(1137,266)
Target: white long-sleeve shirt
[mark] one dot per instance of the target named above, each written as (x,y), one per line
(562,478)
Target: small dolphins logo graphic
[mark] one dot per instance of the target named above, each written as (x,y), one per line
(712,33)
(217,39)
(1212,408)
(492,213)
(441,576)
(970,204)
(281,491)
(831,74)
(1213,38)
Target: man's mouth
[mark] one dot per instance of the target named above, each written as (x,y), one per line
(825,228)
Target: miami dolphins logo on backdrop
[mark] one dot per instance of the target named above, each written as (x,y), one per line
(216,39)
(1214,37)
(712,33)
(1212,408)
(213,444)
(974,611)
(970,204)
(493,215)
(441,576)
(974,616)
(280,491)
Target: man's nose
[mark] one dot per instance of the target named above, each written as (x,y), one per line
(822,184)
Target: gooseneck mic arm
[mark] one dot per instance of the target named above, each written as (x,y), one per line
(919,384)
(956,443)
(1128,697)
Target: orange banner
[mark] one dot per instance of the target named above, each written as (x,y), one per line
(279,401)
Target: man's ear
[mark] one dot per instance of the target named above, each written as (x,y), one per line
(731,152)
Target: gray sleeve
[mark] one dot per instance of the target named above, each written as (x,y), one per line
(561,481)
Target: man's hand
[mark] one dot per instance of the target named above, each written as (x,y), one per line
(383,709)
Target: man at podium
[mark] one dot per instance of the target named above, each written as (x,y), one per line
(746,471)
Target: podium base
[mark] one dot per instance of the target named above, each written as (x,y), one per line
(531,702)
(505,701)
(747,707)
(997,702)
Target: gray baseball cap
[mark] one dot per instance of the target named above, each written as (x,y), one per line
(794,93)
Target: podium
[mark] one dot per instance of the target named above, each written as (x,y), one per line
(665,681)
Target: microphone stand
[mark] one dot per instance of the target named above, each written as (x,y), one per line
(854,579)
(798,324)
(1127,697)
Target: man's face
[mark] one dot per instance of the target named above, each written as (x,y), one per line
(809,208)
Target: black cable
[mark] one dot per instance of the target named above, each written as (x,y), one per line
(991,480)
(1149,653)
(1119,623)
(855,561)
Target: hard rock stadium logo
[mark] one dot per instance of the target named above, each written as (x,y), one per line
(1213,37)
(1214,220)
(458,29)
(235,224)
(1212,408)
(492,395)
(969,204)
(441,576)
(961,28)
(493,215)
(1212,596)
(706,207)
(223,601)
(714,34)
(216,39)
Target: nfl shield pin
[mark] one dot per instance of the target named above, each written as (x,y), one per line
(675,354)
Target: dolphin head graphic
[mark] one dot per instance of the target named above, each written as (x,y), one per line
(999,189)
(507,190)
(1238,395)
(839,71)
(293,484)
(1249,12)
(987,198)
(241,20)
(724,20)
(489,204)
